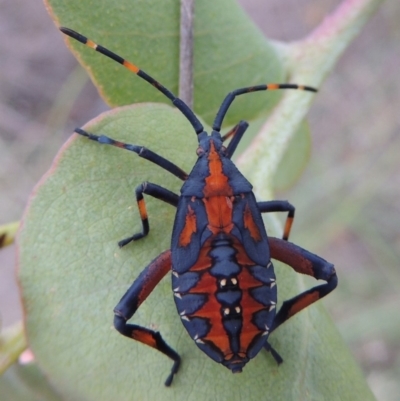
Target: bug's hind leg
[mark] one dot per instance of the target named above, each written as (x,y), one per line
(279,206)
(133,298)
(307,263)
(157,192)
(274,353)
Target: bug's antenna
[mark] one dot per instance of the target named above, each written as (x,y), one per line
(231,96)
(178,103)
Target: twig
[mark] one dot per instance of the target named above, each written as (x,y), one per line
(186,52)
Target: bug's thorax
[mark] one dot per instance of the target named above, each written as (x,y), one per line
(217,183)
(214,174)
(218,194)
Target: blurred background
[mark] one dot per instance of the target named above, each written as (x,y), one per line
(347,201)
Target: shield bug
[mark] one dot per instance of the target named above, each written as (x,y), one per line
(223,279)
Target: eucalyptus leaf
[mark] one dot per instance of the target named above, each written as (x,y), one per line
(26,382)
(146,32)
(294,160)
(72,274)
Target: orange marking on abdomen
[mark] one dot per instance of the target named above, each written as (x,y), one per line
(204,285)
(272,86)
(131,67)
(247,281)
(211,310)
(250,224)
(204,260)
(241,256)
(248,304)
(189,229)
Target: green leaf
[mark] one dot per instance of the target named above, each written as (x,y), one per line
(71,269)
(26,382)
(146,32)
(294,160)
(72,274)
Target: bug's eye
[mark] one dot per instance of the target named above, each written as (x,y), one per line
(200,151)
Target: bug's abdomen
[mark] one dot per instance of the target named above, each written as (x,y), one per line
(226,301)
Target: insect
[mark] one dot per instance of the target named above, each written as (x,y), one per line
(223,279)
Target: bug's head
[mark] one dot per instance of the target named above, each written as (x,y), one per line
(210,143)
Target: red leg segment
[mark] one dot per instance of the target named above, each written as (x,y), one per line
(303,262)
(133,298)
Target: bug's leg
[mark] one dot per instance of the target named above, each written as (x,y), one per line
(303,262)
(141,151)
(133,298)
(157,192)
(236,133)
(275,355)
(279,206)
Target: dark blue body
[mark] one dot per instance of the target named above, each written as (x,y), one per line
(223,279)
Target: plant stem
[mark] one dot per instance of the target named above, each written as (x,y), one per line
(312,58)
(186,52)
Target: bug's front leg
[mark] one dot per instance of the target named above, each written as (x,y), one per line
(133,298)
(157,192)
(141,151)
(307,263)
(236,133)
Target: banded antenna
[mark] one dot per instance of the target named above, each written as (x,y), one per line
(178,103)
